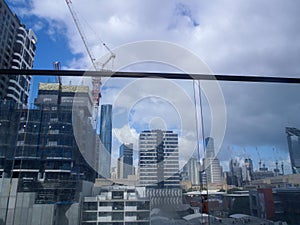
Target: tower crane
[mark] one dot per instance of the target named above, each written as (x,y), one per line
(96,81)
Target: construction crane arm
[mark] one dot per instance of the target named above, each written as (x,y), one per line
(76,21)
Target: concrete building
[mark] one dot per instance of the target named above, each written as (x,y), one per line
(17,51)
(283,181)
(48,160)
(159,168)
(106,141)
(211,164)
(20,208)
(247,171)
(125,161)
(277,204)
(235,175)
(117,205)
(191,171)
(159,159)
(262,172)
(293,139)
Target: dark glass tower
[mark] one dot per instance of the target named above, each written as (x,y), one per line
(106,141)
(125,161)
(293,139)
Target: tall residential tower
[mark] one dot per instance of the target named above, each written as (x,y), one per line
(17,51)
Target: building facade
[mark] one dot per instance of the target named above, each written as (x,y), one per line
(117,205)
(106,141)
(211,163)
(125,161)
(47,155)
(159,159)
(293,139)
(235,175)
(247,171)
(159,168)
(17,51)
(191,171)
(277,204)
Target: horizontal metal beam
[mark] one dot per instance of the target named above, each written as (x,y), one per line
(182,76)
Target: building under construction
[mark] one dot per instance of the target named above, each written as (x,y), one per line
(51,150)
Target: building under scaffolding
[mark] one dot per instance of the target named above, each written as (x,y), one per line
(51,149)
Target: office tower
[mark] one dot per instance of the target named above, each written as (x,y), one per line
(293,139)
(247,171)
(209,148)
(159,168)
(158,159)
(17,51)
(191,170)
(125,161)
(235,173)
(211,164)
(106,141)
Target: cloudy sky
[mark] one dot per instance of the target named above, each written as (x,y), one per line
(251,37)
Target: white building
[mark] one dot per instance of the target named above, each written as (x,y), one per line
(117,205)
(159,159)
(191,169)
(17,51)
(211,164)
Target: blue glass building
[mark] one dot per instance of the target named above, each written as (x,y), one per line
(106,141)
(125,161)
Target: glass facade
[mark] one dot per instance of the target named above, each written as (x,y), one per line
(106,140)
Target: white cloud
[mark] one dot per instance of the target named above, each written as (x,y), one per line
(249,37)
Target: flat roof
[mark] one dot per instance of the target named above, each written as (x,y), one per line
(64,88)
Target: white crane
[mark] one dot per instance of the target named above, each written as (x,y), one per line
(96,82)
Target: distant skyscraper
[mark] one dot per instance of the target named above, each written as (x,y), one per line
(125,161)
(210,148)
(247,171)
(212,165)
(106,141)
(17,51)
(235,173)
(293,139)
(192,171)
(158,159)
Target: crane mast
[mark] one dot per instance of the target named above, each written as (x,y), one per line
(96,82)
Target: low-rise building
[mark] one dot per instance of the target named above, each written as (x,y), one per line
(116,205)
(278,204)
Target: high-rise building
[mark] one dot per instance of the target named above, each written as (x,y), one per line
(158,159)
(247,171)
(43,150)
(125,161)
(17,51)
(106,141)
(235,175)
(293,139)
(212,167)
(209,148)
(192,171)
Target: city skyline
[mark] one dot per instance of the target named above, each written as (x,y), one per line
(198,25)
(182,148)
